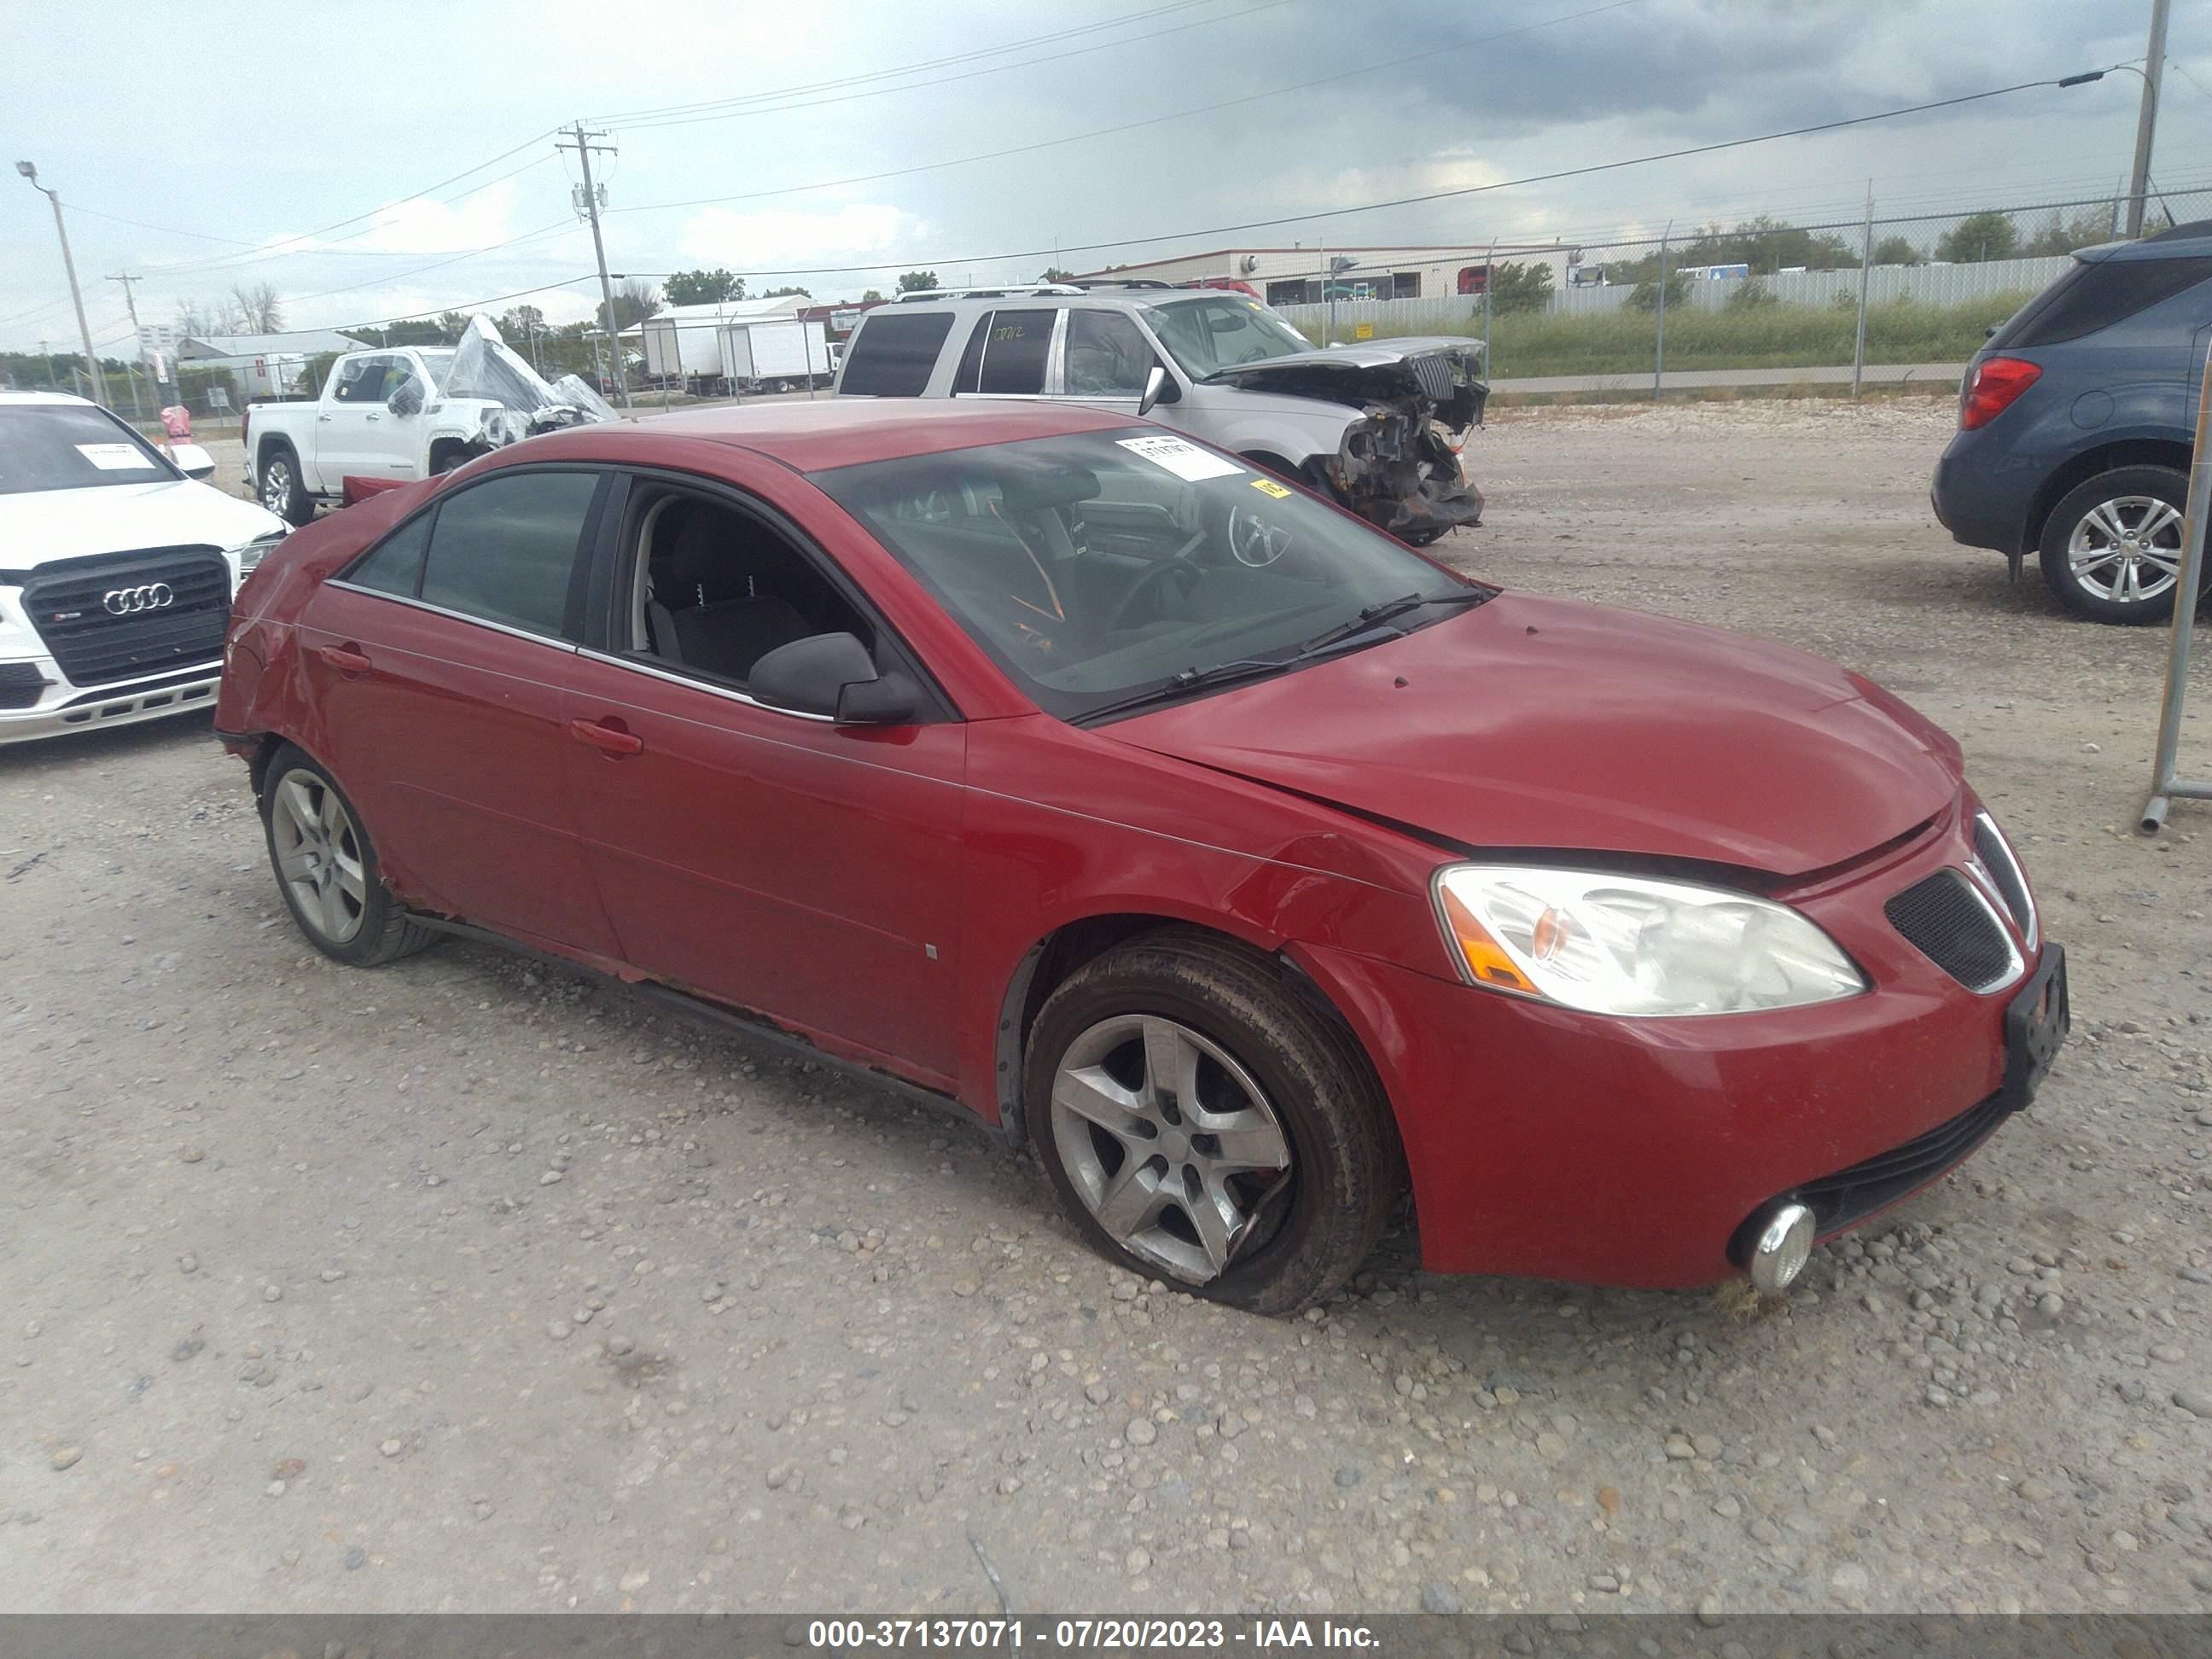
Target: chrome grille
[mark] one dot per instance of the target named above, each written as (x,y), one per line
(2005,874)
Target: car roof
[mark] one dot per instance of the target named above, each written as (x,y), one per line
(813,437)
(2191,240)
(1018,298)
(47,399)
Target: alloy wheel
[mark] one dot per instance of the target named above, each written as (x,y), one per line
(318,855)
(277,488)
(2127,550)
(1171,1145)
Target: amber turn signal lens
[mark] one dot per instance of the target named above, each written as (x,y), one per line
(1485,959)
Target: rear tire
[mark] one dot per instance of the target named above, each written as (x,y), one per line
(1200,1124)
(326,868)
(280,487)
(2111,548)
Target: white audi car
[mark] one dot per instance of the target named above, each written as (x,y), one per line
(116,572)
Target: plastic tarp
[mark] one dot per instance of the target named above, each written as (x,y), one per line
(484,367)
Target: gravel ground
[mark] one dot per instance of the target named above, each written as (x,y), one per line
(468,1284)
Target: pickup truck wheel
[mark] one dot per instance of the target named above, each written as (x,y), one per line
(281,492)
(2111,548)
(326,868)
(1200,1124)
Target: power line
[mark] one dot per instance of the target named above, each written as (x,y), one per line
(837,82)
(1132,126)
(1426,196)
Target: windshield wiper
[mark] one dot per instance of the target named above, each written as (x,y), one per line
(1370,619)
(1382,611)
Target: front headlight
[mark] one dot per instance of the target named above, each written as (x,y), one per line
(250,553)
(1626,945)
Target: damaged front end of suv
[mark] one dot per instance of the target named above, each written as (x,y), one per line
(1398,466)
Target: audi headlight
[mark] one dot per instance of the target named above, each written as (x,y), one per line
(250,553)
(1626,945)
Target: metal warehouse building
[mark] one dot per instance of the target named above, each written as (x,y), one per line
(1299,274)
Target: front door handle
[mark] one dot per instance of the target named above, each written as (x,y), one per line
(376,417)
(609,736)
(346,659)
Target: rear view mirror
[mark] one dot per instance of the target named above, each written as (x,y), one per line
(1160,388)
(832,676)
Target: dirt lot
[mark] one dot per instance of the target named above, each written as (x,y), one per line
(465,1285)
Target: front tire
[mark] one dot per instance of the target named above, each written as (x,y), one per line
(1200,1124)
(280,488)
(2111,548)
(325,867)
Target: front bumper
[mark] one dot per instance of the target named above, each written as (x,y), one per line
(62,707)
(1550,1144)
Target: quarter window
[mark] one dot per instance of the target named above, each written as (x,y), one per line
(892,355)
(506,551)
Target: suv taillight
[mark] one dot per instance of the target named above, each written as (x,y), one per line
(1996,382)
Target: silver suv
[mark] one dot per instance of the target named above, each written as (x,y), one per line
(1377,426)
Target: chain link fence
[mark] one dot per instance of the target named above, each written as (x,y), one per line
(1892,295)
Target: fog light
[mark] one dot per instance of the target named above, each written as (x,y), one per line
(1783,1246)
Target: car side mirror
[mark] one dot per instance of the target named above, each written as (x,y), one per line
(1160,387)
(193,461)
(832,676)
(408,400)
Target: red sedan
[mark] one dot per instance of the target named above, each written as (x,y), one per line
(1247,864)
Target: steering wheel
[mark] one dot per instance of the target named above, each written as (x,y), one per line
(1176,566)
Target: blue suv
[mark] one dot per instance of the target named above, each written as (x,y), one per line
(2074,426)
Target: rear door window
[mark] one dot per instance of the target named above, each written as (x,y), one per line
(2095,295)
(1015,352)
(509,551)
(893,352)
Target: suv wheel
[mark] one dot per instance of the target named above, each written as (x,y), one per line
(1200,1124)
(2111,548)
(280,491)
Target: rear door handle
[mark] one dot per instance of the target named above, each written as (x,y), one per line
(376,417)
(346,659)
(609,736)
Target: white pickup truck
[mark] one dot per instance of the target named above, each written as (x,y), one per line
(389,417)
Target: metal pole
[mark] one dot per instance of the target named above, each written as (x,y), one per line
(1489,285)
(130,300)
(599,251)
(1329,295)
(1659,349)
(1866,269)
(2147,118)
(69,265)
(2164,786)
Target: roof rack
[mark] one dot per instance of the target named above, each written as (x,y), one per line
(998,291)
(1091,283)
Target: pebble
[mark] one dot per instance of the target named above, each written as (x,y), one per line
(1849,1579)
(2169,1353)
(1097,1393)
(1141,1432)
(1440,1598)
(1347,1476)
(66,1457)
(2195,1401)
(1709,1612)
(1231,1424)
(355,1559)
(391,1448)
(272,1292)
(1138,1559)
(558,1330)
(619,1346)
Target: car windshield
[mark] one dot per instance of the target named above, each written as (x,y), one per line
(1099,569)
(1222,330)
(68,446)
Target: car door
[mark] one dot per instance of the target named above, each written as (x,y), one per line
(350,423)
(1104,358)
(436,670)
(778,862)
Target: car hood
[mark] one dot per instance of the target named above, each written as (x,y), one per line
(1443,376)
(38,527)
(1541,723)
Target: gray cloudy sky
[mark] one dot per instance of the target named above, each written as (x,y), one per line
(238,137)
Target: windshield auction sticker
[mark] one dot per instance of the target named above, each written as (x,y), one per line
(114,458)
(1185,460)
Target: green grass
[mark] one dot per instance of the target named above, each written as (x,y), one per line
(1764,337)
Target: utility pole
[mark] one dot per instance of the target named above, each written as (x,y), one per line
(69,265)
(2146,118)
(130,300)
(584,147)
(1866,273)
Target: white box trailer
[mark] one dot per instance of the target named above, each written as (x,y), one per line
(779,352)
(690,348)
